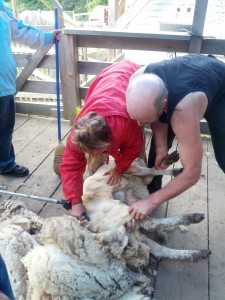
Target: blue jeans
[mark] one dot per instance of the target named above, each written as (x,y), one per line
(7,122)
(5,286)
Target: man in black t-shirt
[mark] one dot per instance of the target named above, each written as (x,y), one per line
(173,96)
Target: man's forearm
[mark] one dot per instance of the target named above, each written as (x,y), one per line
(174,188)
(159,131)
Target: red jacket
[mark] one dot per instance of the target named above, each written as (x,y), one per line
(107,97)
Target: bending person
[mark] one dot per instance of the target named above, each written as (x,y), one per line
(173,96)
(102,128)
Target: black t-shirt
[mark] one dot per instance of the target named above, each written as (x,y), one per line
(187,74)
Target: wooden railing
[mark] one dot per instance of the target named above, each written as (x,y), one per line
(72,67)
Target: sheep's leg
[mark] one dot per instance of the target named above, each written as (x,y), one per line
(162,252)
(144,171)
(139,168)
(172,158)
(153,224)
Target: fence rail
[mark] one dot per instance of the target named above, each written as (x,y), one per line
(77,70)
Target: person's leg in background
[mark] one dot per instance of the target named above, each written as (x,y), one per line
(7,155)
(156,183)
(7,122)
(5,286)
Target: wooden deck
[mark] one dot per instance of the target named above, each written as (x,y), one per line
(35,139)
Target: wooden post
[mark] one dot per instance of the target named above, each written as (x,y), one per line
(15,10)
(113,6)
(198,26)
(68,56)
(113,13)
(70,77)
(31,66)
(60,13)
(62,46)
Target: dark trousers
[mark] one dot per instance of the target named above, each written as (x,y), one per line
(5,286)
(216,122)
(7,122)
(156,183)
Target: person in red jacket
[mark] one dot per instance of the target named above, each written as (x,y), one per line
(103,127)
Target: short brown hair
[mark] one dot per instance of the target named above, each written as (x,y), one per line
(91,132)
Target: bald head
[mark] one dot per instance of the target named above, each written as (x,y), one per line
(144,97)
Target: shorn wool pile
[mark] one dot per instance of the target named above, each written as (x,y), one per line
(105,258)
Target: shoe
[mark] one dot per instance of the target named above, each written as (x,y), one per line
(17,171)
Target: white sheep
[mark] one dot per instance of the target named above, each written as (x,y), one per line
(104,258)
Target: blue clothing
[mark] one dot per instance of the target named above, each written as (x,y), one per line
(15,31)
(7,122)
(5,286)
(12,30)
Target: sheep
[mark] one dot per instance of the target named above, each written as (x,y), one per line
(104,258)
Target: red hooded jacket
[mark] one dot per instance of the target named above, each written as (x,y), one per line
(106,97)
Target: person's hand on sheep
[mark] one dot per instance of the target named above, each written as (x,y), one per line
(142,208)
(78,210)
(114,177)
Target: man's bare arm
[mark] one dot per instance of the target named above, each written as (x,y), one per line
(185,123)
(159,132)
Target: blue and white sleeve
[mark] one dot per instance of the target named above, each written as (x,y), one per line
(29,36)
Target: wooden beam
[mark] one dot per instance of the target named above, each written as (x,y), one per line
(134,44)
(31,66)
(213,46)
(130,14)
(83,92)
(112,13)
(198,26)
(69,78)
(91,67)
(121,7)
(48,61)
(33,108)
(169,42)
(14,7)
(36,86)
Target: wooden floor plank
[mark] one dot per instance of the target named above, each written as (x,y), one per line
(42,182)
(38,148)
(25,134)
(186,280)
(216,194)
(20,120)
(52,210)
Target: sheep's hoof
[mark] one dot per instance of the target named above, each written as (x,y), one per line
(197,218)
(176,172)
(203,254)
(172,158)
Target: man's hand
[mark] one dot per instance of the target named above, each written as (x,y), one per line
(114,177)
(57,35)
(161,155)
(142,208)
(3,296)
(78,210)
